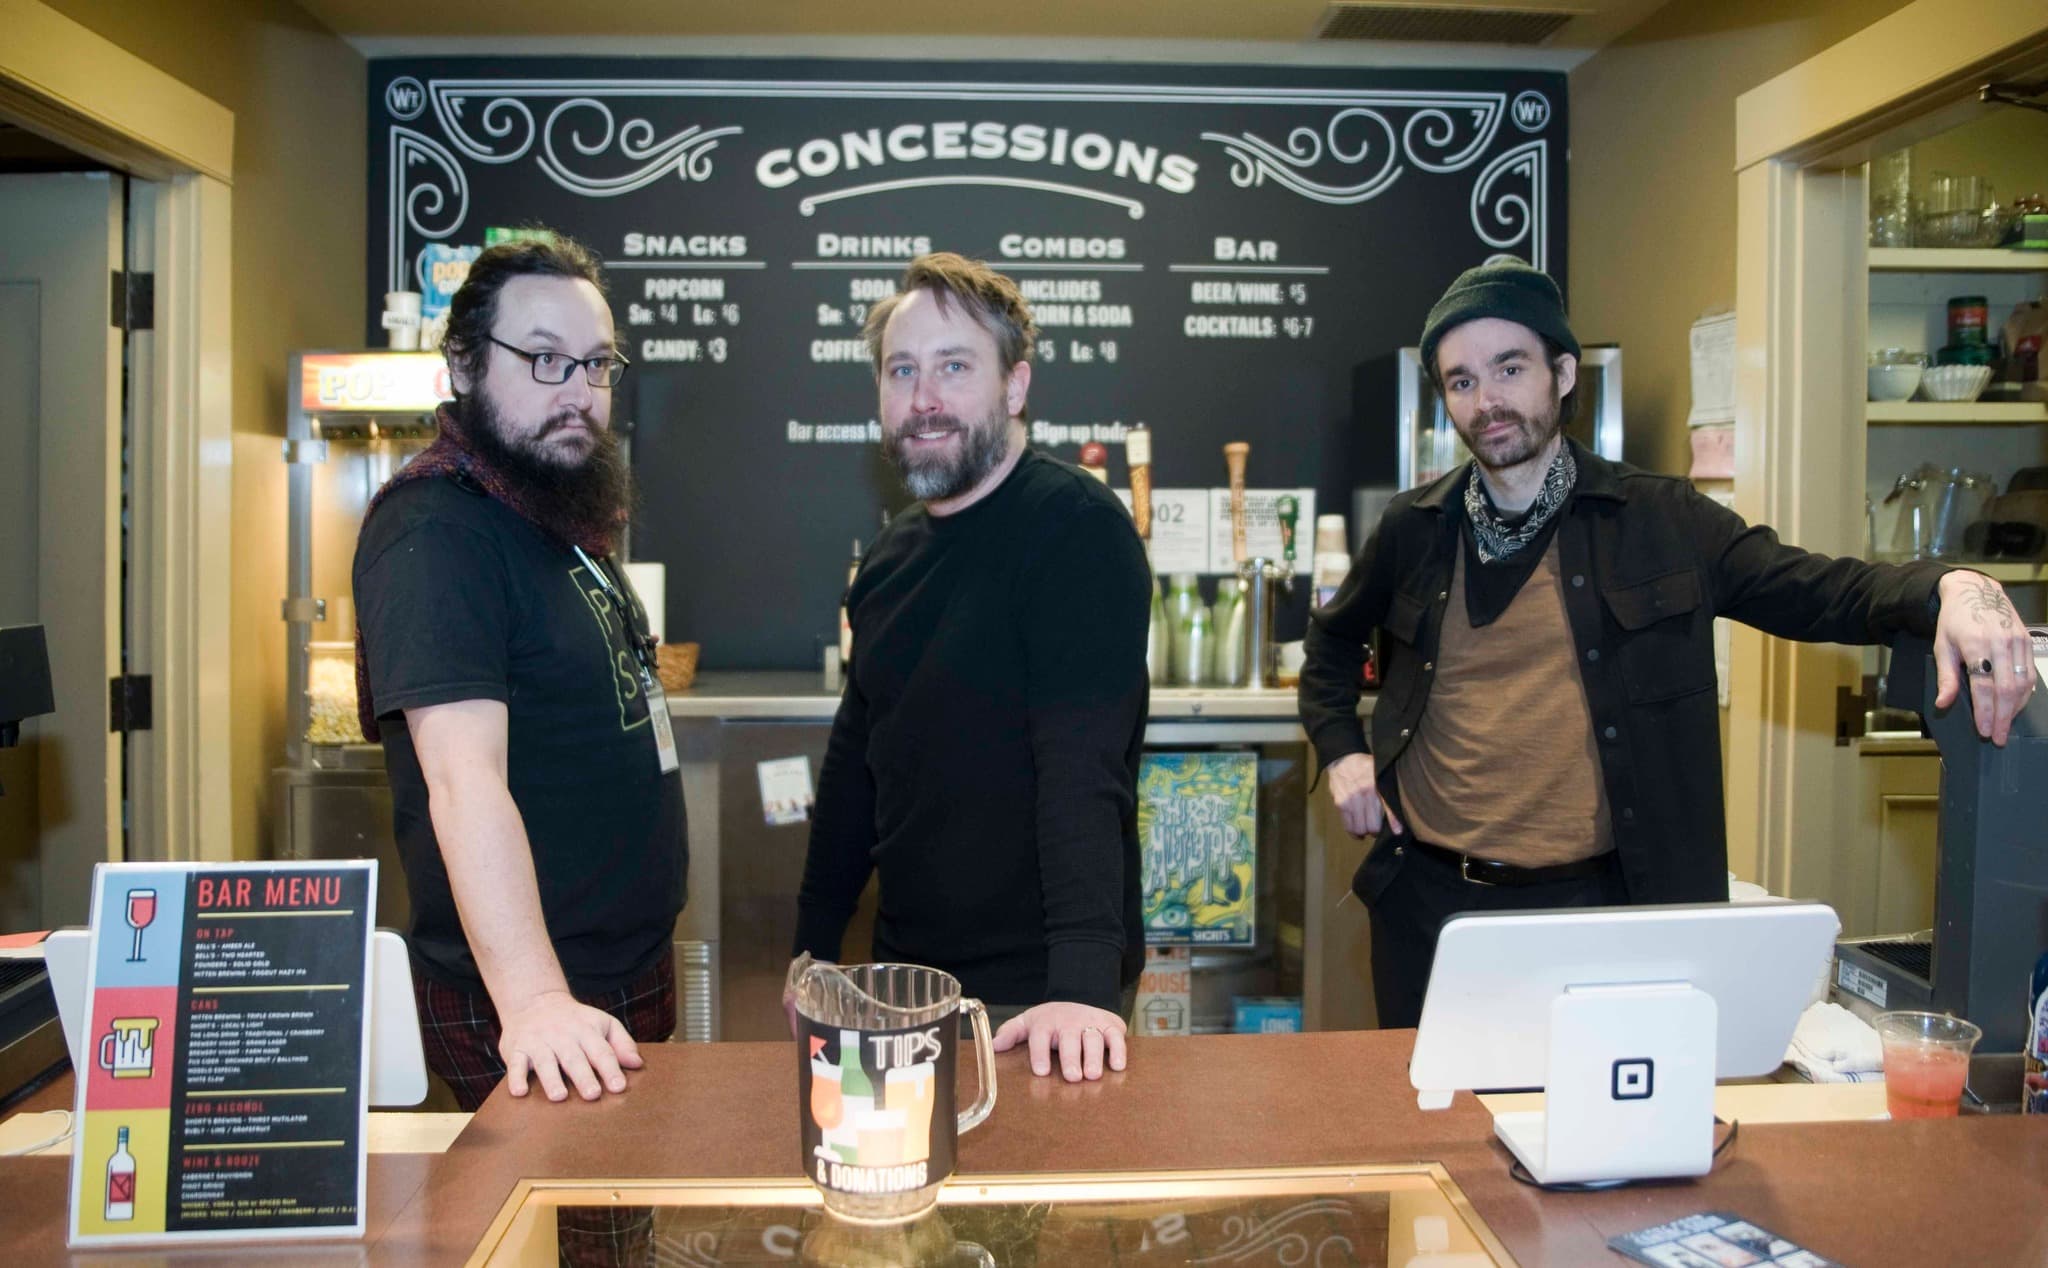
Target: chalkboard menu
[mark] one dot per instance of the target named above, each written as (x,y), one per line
(1222,253)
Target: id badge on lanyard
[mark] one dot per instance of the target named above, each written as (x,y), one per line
(657,716)
(665,758)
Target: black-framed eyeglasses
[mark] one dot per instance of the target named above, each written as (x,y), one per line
(554,368)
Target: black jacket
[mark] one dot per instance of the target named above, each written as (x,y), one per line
(1648,563)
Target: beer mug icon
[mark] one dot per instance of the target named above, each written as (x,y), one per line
(128,1051)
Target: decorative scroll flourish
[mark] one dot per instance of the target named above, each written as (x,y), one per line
(580,142)
(1360,151)
(429,198)
(1132,207)
(694,1249)
(1510,203)
(1274,1241)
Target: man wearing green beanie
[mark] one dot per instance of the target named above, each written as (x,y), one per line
(1547,733)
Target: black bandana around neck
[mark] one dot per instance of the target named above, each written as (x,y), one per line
(1495,539)
(1500,556)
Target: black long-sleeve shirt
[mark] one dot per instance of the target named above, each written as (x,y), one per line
(984,758)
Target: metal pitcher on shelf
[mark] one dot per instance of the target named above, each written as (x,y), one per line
(1259,580)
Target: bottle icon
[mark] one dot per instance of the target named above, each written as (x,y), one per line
(856,1098)
(853,1078)
(121,1180)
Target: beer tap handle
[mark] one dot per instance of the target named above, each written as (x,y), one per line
(1138,452)
(1234,455)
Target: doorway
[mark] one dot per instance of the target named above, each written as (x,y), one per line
(62,517)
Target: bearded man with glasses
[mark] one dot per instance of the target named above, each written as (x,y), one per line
(506,663)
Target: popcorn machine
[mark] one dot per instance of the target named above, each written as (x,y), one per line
(356,417)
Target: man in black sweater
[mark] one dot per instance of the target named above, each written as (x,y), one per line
(984,759)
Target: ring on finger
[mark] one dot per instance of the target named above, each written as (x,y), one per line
(1984,666)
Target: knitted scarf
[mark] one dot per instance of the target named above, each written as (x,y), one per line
(452,457)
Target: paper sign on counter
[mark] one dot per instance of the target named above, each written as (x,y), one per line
(1180,529)
(1261,528)
(224,1094)
(786,795)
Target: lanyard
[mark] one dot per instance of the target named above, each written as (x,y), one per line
(643,644)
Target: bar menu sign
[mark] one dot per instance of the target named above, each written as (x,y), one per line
(225,1089)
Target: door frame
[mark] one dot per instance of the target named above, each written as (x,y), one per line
(74,87)
(1801,311)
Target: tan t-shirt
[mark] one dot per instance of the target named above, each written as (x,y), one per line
(1504,765)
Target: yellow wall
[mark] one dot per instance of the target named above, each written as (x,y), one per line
(299,197)
(1652,235)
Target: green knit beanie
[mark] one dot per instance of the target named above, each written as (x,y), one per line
(1508,289)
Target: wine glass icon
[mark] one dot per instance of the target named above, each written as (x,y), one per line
(141,910)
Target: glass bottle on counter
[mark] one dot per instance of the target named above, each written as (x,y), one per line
(1229,666)
(1183,596)
(1197,646)
(1158,641)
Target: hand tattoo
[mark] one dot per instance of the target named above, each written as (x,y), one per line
(1986,598)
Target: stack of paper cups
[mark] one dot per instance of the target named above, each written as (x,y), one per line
(402,320)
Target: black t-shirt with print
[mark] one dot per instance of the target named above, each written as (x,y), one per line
(460,598)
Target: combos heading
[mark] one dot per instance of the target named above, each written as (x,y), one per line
(987,141)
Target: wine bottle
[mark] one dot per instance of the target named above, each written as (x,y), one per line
(121,1180)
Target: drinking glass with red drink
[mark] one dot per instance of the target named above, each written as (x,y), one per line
(1926,1062)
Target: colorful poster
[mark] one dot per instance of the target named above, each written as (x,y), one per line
(1197,839)
(225,1090)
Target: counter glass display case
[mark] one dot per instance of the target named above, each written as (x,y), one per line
(1329,1216)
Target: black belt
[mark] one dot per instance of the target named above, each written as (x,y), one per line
(1487,872)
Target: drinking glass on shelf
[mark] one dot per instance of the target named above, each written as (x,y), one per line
(1891,199)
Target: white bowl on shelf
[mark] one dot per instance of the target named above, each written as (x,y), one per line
(1894,382)
(1955,384)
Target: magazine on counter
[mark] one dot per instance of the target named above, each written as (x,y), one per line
(1715,1239)
(1197,845)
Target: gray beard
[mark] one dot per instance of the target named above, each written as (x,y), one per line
(983,447)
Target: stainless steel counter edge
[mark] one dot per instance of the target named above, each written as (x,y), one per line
(803,696)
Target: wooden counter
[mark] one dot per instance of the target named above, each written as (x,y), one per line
(1961,1191)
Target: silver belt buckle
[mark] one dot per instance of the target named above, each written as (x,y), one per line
(1465,871)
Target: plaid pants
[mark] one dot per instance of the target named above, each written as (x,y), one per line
(460,1032)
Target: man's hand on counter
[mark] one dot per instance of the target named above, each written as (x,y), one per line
(1357,794)
(1980,639)
(1084,1035)
(559,1042)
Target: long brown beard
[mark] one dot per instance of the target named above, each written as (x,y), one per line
(577,501)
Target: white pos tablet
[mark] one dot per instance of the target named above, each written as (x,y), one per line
(1624,1016)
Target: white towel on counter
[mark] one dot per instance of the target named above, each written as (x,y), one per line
(1832,1045)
